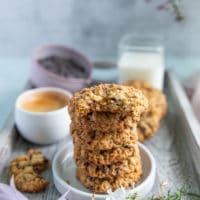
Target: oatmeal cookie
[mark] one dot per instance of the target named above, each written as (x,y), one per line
(39,162)
(100,140)
(18,166)
(129,165)
(33,158)
(105,157)
(108,98)
(29,181)
(104,121)
(148,126)
(156,98)
(102,185)
(150,121)
(28,167)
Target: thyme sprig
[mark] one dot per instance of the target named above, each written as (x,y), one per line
(177,195)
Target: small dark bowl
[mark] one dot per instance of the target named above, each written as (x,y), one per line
(41,77)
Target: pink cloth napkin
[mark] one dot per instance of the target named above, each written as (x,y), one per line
(9,192)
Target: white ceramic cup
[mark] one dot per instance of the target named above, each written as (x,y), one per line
(42,127)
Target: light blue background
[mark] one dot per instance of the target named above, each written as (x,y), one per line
(94,27)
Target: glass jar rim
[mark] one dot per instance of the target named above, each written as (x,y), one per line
(133,42)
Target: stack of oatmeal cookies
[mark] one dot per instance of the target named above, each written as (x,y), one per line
(150,120)
(103,127)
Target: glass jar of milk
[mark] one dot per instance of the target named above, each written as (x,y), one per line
(141,58)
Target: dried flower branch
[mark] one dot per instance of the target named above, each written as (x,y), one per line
(174,5)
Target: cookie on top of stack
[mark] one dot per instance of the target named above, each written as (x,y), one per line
(150,121)
(103,127)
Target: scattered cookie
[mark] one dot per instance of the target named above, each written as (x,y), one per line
(26,170)
(150,121)
(38,160)
(30,182)
(148,126)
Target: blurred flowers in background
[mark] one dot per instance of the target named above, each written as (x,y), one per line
(175,6)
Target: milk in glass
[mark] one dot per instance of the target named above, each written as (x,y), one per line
(143,63)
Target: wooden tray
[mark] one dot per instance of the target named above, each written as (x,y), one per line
(175,146)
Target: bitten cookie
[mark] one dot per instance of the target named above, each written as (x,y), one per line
(26,170)
(29,181)
(39,162)
(108,98)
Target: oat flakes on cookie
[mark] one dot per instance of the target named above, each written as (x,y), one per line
(150,121)
(156,98)
(108,98)
(105,157)
(104,121)
(29,181)
(122,167)
(103,128)
(100,140)
(26,169)
(102,185)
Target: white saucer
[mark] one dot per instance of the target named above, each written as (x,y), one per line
(65,179)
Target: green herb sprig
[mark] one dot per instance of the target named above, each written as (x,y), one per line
(177,195)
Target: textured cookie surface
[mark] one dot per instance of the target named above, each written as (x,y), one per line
(104,121)
(156,98)
(105,157)
(148,126)
(26,169)
(100,140)
(103,129)
(108,98)
(30,182)
(102,185)
(150,120)
(38,160)
(131,164)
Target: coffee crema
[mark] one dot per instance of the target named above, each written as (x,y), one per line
(44,101)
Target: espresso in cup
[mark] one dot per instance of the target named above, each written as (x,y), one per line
(44,101)
(41,115)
